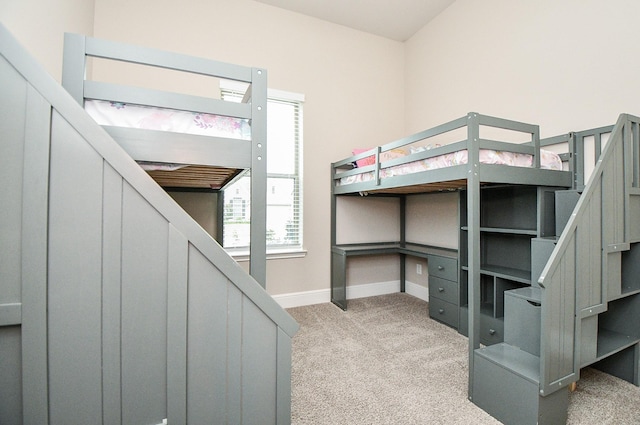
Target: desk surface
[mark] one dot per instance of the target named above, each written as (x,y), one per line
(415,249)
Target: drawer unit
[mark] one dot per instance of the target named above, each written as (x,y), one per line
(445,290)
(443,311)
(443,267)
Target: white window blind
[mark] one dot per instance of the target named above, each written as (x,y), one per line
(284,177)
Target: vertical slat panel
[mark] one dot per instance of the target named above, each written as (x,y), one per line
(144,307)
(12,127)
(111,296)
(558,320)
(177,328)
(612,221)
(618,188)
(234,355)
(207,342)
(35,201)
(11,411)
(589,253)
(259,347)
(283,393)
(12,124)
(75,278)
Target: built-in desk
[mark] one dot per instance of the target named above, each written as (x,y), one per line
(442,265)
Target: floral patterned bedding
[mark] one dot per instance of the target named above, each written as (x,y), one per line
(136,116)
(548,160)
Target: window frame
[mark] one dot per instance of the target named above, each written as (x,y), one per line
(276,251)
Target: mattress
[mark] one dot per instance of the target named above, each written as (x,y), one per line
(548,160)
(150,118)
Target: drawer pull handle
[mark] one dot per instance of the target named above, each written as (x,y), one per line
(440,289)
(492,331)
(441,311)
(440,267)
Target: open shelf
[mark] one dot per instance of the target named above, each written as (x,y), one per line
(618,327)
(611,342)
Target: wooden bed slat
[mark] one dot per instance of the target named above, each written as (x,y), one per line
(195,177)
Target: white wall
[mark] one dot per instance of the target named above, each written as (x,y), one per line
(565,65)
(352,81)
(39,25)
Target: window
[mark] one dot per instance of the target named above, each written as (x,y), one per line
(284,174)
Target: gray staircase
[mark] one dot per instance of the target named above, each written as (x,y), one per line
(115,306)
(583,306)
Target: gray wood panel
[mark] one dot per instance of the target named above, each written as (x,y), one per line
(207,341)
(12,126)
(144,309)
(283,382)
(259,360)
(34,258)
(177,307)
(10,376)
(75,278)
(558,323)
(111,296)
(589,254)
(234,355)
(613,228)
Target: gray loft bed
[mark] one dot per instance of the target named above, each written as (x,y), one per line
(209,143)
(450,177)
(435,173)
(547,264)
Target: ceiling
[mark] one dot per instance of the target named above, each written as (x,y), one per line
(393,19)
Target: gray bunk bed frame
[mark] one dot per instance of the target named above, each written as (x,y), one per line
(214,162)
(116,307)
(585,314)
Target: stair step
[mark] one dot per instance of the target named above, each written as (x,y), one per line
(522,319)
(513,359)
(506,385)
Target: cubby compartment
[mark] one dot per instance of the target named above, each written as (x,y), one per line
(509,207)
(506,255)
(618,326)
(631,269)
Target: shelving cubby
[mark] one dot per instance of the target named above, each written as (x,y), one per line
(511,216)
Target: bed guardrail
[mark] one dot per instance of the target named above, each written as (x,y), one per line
(493,133)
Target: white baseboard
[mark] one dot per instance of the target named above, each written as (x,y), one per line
(417,291)
(372,289)
(299,299)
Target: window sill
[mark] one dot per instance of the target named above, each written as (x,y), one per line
(274,254)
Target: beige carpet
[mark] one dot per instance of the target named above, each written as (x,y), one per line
(383,361)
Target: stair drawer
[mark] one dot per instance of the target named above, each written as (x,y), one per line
(443,267)
(443,289)
(522,319)
(443,311)
(491,330)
